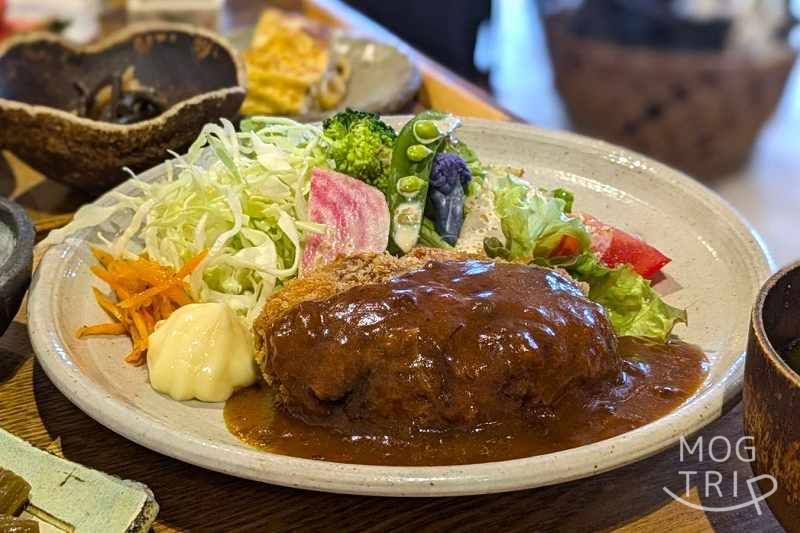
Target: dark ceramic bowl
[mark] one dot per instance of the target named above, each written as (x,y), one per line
(16,257)
(772,393)
(196,72)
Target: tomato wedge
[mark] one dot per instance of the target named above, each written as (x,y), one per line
(569,246)
(616,247)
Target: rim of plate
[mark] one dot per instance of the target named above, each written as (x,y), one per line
(483,478)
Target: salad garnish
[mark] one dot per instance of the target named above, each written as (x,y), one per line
(409,179)
(244,211)
(361,146)
(239,195)
(539,229)
(146,292)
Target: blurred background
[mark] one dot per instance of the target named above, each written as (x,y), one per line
(690,82)
(707,86)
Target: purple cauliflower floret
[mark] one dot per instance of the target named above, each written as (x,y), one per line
(447,171)
(445,206)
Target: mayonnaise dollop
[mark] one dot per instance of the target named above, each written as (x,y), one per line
(201,351)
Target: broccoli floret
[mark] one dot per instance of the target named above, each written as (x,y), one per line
(361,146)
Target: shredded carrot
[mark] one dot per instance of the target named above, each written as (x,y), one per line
(146,297)
(103,257)
(113,328)
(141,327)
(177,296)
(165,308)
(191,264)
(112,281)
(107,305)
(145,271)
(137,355)
(146,292)
(149,321)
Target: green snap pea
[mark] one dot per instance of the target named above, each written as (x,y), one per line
(418,152)
(407,196)
(426,129)
(409,185)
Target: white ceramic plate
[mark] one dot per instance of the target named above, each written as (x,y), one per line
(718,265)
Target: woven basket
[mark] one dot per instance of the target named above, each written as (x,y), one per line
(700,112)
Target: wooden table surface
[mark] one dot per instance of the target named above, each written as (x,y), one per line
(193,499)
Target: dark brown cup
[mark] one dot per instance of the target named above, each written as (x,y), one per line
(772,392)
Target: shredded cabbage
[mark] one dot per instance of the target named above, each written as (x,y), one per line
(241,195)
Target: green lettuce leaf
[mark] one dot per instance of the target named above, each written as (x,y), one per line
(632,305)
(565,195)
(534,224)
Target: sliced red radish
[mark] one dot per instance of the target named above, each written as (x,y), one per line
(615,247)
(356,216)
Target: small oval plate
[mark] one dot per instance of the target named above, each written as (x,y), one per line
(718,266)
(383,79)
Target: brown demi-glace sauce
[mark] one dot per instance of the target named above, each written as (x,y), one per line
(655,380)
